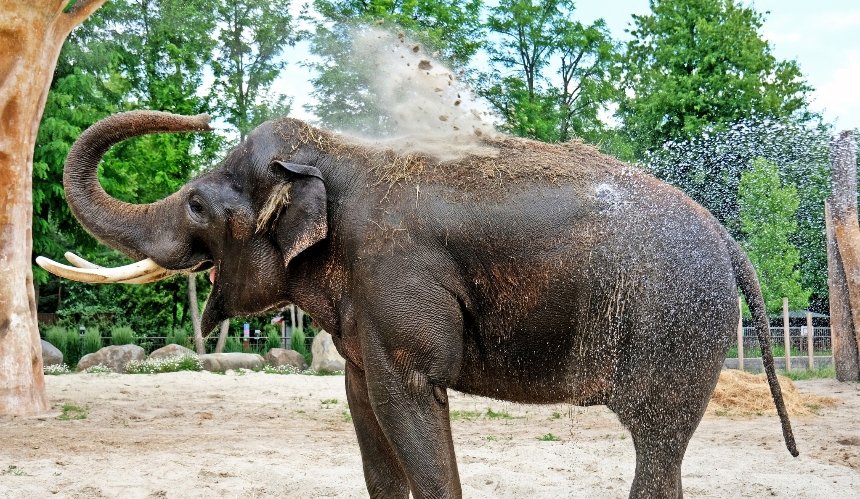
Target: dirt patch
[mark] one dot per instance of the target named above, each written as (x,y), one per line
(203,435)
(743,394)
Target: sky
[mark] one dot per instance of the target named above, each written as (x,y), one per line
(823,36)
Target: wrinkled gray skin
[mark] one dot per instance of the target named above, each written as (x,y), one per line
(615,289)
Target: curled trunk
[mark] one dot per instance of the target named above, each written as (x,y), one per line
(130,228)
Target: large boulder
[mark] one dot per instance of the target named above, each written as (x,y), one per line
(225,361)
(283,357)
(114,357)
(51,355)
(325,356)
(172,350)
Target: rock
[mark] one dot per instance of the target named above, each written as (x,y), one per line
(282,357)
(172,350)
(233,361)
(114,357)
(51,355)
(325,354)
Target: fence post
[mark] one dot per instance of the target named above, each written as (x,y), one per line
(740,334)
(810,332)
(786,334)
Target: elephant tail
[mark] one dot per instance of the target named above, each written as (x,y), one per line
(749,285)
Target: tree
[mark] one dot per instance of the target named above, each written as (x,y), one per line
(767,215)
(451,27)
(690,65)
(709,166)
(560,71)
(253,34)
(33,33)
(133,53)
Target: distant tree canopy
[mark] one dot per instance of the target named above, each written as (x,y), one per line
(767,215)
(141,54)
(691,65)
(341,86)
(551,75)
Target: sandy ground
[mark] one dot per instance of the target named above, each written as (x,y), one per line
(186,435)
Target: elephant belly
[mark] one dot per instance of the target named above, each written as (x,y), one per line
(538,368)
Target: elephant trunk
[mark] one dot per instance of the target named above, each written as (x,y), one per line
(131,228)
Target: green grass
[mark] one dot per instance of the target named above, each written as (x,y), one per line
(14,471)
(464,415)
(556,415)
(778,351)
(549,437)
(71,412)
(491,414)
(122,335)
(328,402)
(798,375)
(473,415)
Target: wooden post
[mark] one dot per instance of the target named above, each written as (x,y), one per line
(843,258)
(786,334)
(740,334)
(810,332)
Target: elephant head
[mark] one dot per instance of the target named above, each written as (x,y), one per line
(244,220)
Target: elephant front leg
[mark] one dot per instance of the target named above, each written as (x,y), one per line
(413,414)
(383,473)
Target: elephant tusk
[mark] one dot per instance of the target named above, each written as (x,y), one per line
(79,262)
(141,272)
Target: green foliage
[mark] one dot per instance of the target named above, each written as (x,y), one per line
(72,412)
(122,335)
(91,342)
(824,372)
(177,336)
(549,437)
(247,61)
(273,340)
(559,72)
(708,167)
(767,215)
(297,343)
(693,64)
(342,87)
(233,344)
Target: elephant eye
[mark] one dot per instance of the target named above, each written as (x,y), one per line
(196,207)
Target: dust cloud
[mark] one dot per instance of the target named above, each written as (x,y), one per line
(429,110)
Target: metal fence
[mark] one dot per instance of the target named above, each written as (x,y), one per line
(821,340)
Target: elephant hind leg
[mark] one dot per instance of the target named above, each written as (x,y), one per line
(661,419)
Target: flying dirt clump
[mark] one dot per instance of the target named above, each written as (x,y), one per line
(430,111)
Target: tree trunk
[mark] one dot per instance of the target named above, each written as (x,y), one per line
(195,315)
(222,336)
(844,258)
(31,35)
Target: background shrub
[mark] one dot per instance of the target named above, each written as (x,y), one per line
(178,336)
(273,340)
(91,342)
(232,345)
(122,335)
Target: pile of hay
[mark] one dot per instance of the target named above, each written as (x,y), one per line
(740,393)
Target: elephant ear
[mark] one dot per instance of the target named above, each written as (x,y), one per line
(304,221)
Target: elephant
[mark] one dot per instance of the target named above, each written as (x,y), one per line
(542,273)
